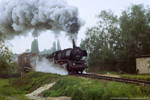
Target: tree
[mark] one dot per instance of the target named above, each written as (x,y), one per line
(34,46)
(54,46)
(52,49)
(7,64)
(135,35)
(58,45)
(115,42)
(101,42)
(46,51)
(27,50)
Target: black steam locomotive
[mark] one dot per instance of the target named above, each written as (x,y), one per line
(71,58)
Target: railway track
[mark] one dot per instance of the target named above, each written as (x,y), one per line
(124,80)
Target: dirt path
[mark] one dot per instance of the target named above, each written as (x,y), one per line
(35,94)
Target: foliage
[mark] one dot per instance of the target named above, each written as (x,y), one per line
(7,64)
(46,51)
(34,46)
(51,50)
(101,42)
(54,46)
(115,42)
(88,89)
(27,51)
(58,45)
(135,35)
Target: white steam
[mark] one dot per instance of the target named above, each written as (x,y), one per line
(18,17)
(44,65)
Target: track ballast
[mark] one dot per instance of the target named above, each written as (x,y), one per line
(124,80)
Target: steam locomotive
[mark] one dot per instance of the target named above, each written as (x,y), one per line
(71,58)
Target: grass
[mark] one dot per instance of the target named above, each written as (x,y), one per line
(34,80)
(88,89)
(76,87)
(141,77)
(15,89)
(8,93)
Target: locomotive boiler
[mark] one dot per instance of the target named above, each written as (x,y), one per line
(71,58)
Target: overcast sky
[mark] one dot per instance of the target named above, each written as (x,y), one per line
(88,9)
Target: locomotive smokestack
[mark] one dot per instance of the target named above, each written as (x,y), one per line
(73,43)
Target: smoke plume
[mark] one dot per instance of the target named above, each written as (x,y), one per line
(19,17)
(44,65)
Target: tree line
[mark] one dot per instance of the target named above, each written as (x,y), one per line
(115,42)
(35,48)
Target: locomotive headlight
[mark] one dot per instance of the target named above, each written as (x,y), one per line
(74,64)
